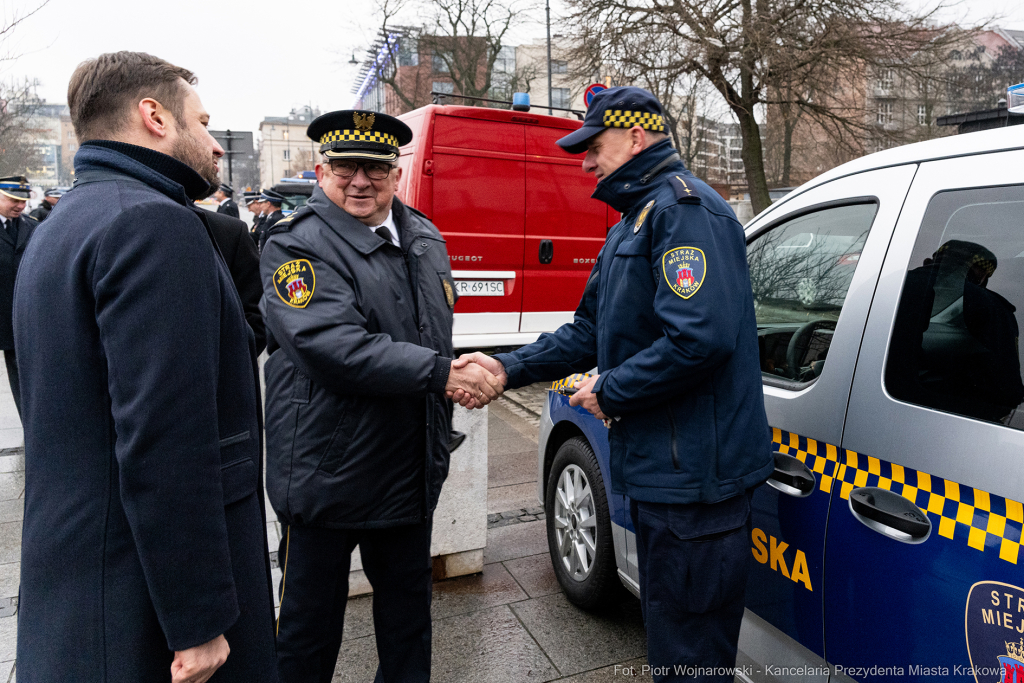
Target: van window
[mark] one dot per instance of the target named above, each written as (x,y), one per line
(956,339)
(800,271)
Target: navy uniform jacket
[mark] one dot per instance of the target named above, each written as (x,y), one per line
(360,349)
(228,207)
(10,257)
(668,318)
(144,528)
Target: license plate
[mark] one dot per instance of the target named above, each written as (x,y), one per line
(480,287)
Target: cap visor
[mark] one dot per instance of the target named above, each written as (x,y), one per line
(365,154)
(576,142)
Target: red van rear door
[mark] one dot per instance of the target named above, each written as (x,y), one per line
(565,229)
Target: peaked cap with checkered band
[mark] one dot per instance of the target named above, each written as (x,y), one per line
(621,107)
(356,134)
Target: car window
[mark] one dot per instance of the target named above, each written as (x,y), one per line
(800,271)
(956,339)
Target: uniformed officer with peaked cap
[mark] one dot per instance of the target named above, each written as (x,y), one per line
(667,317)
(17,228)
(271,202)
(358,301)
(50,199)
(227,205)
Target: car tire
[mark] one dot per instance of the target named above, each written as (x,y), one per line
(579,527)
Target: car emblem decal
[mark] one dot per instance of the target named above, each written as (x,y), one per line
(995,612)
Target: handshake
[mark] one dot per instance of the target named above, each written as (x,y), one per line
(475,380)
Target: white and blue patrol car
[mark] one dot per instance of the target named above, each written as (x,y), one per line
(887,545)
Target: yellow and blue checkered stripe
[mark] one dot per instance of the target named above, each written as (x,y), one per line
(964,514)
(358,136)
(618,118)
(572,380)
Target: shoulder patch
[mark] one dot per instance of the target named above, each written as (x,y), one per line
(294,282)
(685,191)
(642,217)
(684,269)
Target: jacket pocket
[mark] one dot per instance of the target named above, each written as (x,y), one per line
(238,480)
(236,439)
(334,455)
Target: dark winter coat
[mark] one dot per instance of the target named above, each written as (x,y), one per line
(360,341)
(10,256)
(243,260)
(144,530)
(228,208)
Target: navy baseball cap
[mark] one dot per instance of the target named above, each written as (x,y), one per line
(622,107)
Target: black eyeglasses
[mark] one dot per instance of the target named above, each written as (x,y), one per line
(374,170)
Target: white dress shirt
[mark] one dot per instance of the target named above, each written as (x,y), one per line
(389,223)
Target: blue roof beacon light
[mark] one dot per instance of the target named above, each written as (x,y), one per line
(1015,99)
(521,101)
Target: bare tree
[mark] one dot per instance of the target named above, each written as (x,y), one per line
(460,43)
(18,148)
(809,54)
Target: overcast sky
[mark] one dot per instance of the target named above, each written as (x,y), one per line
(254,58)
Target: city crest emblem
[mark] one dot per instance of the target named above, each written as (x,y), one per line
(684,269)
(449,294)
(995,624)
(294,282)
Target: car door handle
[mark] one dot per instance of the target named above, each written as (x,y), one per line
(546,251)
(890,514)
(791,476)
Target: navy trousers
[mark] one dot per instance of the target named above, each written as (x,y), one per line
(314,591)
(694,561)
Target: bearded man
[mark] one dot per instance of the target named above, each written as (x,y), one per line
(144,554)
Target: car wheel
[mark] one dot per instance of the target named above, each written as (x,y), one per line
(579,527)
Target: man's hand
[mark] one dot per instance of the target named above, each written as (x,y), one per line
(587,398)
(197,664)
(472,385)
(488,363)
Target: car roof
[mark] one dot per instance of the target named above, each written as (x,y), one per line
(995,140)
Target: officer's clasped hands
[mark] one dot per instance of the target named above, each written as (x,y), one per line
(473,385)
(475,363)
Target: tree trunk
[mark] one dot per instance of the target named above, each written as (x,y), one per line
(753,159)
(787,149)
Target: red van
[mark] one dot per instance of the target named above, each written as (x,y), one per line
(523,233)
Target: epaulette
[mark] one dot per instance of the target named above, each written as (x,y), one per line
(288,222)
(686,190)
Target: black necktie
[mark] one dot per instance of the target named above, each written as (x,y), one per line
(11,229)
(384,234)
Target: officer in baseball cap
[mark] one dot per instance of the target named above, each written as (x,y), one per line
(679,387)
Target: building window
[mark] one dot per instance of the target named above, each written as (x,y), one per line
(443,86)
(884,113)
(287,155)
(922,115)
(438,64)
(559,66)
(560,97)
(407,53)
(505,62)
(886,78)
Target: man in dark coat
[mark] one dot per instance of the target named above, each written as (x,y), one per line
(358,300)
(17,228)
(144,552)
(243,261)
(226,204)
(50,198)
